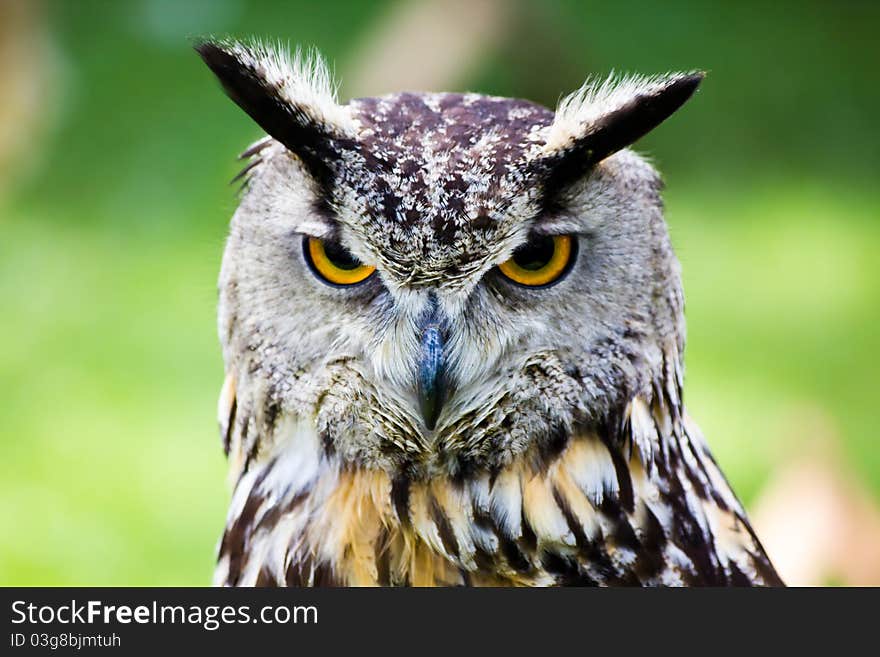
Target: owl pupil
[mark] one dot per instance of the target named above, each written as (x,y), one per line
(535,254)
(340,257)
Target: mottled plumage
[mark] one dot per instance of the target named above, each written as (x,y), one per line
(438,423)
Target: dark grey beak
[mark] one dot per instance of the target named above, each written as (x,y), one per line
(430,374)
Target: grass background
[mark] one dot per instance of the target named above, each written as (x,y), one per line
(111,232)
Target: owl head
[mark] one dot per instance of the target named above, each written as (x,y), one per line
(438,282)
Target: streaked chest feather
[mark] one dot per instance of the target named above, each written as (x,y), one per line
(598,513)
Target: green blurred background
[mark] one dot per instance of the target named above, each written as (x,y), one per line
(116,147)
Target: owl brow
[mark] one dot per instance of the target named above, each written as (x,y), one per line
(553,220)
(326,229)
(561,227)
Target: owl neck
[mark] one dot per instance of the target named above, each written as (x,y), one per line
(302,515)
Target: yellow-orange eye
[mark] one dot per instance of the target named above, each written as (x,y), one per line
(541,261)
(333,263)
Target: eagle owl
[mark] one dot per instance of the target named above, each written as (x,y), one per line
(452,326)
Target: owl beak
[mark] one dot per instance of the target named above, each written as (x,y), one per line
(431,379)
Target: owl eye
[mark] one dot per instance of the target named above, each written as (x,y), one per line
(541,261)
(333,263)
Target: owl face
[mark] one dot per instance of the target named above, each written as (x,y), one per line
(444,282)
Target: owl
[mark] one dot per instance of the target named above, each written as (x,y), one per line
(452,327)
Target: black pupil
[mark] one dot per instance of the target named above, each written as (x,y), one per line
(536,253)
(339,256)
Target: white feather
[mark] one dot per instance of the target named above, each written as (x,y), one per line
(595,99)
(302,79)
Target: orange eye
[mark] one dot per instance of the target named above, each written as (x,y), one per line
(541,261)
(333,263)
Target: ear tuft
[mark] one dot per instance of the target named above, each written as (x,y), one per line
(603,117)
(293,99)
